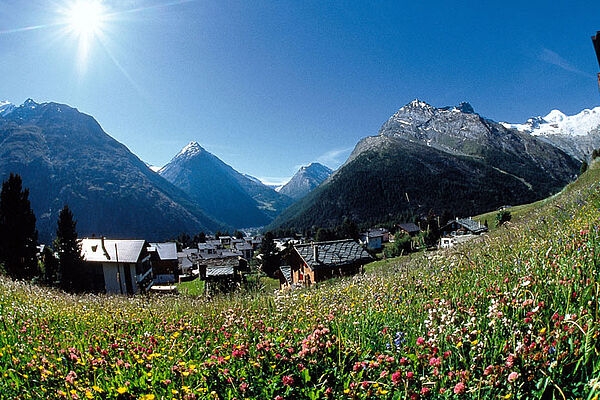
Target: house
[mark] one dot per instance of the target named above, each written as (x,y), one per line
(117,266)
(207,248)
(460,231)
(222,273)
(245,249)
(165,263)
(254,241)
(216,243)
(408,229)
(372,239)
(463,226)
(188,260)
(225,240)
(319,261)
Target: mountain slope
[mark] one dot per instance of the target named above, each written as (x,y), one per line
(428,158)
(65,157)
(577,135)
(305,180)
(222,191)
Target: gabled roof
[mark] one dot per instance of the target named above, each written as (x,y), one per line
(243,246)
(286,272)
(332,254)
(206,246)
(409,227)
(166,251)
(112,251)
(469,224)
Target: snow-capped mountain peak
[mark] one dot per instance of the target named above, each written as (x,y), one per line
(558,123)
(6,108)
(190,150)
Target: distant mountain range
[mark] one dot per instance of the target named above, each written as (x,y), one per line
(305,180)
(426,158)
(578,135)
(65,157)
(237,199)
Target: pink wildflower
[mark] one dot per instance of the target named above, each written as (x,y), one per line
(459,388)
(513,376)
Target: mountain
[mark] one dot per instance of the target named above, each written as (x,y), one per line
(305,180)
(223,192)
(434,159)
(577,135)
(65,157)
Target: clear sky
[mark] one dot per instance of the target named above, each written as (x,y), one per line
(270,85)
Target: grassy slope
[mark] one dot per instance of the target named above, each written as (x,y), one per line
(512,316)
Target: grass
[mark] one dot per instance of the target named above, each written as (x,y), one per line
(513,315)
(191,288)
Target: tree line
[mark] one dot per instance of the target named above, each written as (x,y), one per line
(60,265)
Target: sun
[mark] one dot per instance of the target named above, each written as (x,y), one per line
(86,17)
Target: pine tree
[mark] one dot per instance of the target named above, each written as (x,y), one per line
(584,167)
(18,236)
(51,272)
(69,252)
(271,258)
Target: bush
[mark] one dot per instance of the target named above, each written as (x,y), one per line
(502,217)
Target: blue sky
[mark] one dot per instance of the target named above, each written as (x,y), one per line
(270,85)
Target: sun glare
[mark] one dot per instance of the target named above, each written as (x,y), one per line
(85,17)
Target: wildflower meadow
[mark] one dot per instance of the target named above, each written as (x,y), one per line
(511,316)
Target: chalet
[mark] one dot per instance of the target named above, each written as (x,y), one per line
(255,242)
(225,240)
(207,248)
(216,243)
(408,229)
(460,231)
(222,273)
(187,260)
(117,266)
(462,227)
(319,261)
(245,249)
(165,263)
(372,239)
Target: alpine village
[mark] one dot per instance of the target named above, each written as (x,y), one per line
(449,256)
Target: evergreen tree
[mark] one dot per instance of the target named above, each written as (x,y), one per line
(348,230)
(200,238)
(69,252)
(51,273)
(584,167)
(238,234)
(270,255)
(18,236)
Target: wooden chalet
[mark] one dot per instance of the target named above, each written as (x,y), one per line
(408,229)
(463,226)
(316,262)
(165,264)
(222,273)
(116,266)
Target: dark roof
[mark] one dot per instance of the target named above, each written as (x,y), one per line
(219,271)
(331,254)
(409,227)
(220,261)
(166,251)
(286,271)
(469,224)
